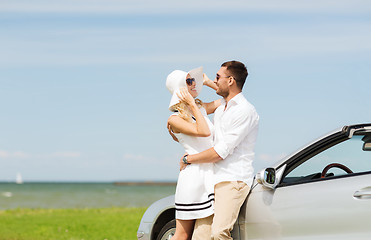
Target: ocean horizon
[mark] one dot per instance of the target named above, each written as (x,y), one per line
(83,194)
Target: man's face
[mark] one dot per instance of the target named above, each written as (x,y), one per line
(221,81)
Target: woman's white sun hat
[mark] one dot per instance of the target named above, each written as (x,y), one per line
(177,79)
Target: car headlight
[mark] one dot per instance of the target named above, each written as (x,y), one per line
(140,234)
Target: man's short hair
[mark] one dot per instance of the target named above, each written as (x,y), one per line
(238,71)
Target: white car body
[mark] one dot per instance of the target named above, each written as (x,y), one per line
(290,201)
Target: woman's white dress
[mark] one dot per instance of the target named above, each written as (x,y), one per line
(194,195)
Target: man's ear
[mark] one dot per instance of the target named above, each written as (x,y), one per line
(231,81)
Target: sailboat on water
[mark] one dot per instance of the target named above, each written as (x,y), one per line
(18,179)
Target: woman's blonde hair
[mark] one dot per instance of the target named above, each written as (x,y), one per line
(182,110)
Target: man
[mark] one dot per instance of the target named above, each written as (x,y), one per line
(236,127)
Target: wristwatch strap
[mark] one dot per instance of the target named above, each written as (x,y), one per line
(185,159)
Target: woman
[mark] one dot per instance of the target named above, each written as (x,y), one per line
(192,128)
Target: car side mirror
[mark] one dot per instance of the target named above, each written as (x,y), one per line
(367,146)
(367,143)
(267,177)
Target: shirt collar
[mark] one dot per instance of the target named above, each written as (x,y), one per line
(235,100)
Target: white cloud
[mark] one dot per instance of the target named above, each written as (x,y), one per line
(6,154)
(22,155)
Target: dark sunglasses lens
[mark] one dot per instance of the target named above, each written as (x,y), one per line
(190,81)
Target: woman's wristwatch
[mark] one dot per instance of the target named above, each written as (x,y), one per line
(185,159)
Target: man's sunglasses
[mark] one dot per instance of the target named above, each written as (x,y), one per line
(190,81)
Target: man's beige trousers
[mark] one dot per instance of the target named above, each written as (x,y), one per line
(229,197)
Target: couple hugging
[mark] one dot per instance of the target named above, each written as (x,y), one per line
(216,172)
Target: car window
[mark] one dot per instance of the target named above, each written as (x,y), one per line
(348,153)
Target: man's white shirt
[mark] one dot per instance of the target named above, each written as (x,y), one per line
(236,130)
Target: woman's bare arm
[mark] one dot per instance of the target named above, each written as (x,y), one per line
(208,82)
(212,106)
(200,128)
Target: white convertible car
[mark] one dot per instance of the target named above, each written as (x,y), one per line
(323,191)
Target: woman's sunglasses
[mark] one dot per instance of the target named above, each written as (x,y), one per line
(189,81)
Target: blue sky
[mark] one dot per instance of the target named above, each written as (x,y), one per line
(82,83)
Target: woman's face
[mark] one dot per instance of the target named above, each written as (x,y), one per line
(191,86)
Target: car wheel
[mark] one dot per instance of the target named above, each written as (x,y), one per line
(167,231)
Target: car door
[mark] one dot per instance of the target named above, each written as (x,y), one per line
(306,206)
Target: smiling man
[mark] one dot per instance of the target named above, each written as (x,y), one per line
(236,127)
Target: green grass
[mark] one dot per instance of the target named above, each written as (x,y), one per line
(70,224)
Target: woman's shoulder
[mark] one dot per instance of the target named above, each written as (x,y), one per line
(173,117)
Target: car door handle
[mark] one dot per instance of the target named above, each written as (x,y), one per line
(364,193)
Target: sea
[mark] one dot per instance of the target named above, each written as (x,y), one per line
(82,195)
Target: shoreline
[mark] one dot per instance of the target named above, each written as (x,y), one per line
(118,183)
(147,183)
